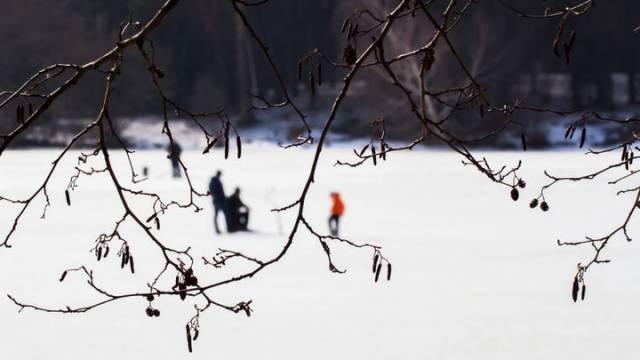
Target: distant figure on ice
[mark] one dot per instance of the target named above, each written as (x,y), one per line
(337,208)
(174,156)
(238,212)
(219,200)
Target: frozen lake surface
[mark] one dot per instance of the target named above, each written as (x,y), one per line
(475,274)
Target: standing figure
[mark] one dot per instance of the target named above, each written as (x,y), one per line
(219,200)
(174,156)
(337,208)
(238,212)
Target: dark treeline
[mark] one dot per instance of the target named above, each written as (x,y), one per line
(211,61)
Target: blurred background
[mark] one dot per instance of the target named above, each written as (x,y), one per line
(211,62)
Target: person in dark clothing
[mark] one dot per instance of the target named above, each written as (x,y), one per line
(219,201)
(174,156)
(238,212)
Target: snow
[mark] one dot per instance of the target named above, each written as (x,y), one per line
(475,274)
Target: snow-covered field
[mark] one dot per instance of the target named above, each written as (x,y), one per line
(475,274)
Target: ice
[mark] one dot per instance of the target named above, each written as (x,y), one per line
(475,274)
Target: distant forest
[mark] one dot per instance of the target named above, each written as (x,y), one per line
(210,60)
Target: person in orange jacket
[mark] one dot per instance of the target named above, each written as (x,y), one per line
(337,208)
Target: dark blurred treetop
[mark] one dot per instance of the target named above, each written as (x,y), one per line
(208,57)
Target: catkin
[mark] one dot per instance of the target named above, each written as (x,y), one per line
(373,155)
(388,271)
(312,83)
(574,291)
(189,339)
(211,144)
(378,271)
(151,217)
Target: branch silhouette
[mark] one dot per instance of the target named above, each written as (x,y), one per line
(433,109)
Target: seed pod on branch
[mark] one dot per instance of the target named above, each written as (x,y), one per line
(20,114)
(192,281)
(125,256)
(378,268)
(211,144)
(312,83)
(67,197)
(583,136)
(584,291)
(189,345)
(388,271)
(515,194)
(373,155)
(364,149)
(533,203)
(375,263)
(572,38)
(319,72)
(64,274)
(544,206)
(133,270)
(226,142)
(568,131)
(523,141)
(239,146)
(349,55)
(428,58)
(566,53)
(299,70)
(183,291)
(575,289)
(153,216)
